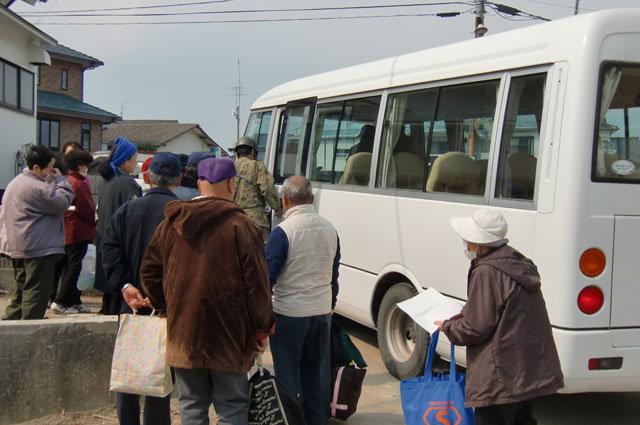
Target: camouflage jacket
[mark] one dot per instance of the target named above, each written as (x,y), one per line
(255,190)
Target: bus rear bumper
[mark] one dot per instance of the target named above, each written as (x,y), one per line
(577,347)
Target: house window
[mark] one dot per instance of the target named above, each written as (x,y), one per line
(85,135)
(49,133)
(64,79)
(26,91)
(16,87)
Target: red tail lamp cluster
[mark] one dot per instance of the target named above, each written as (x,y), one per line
(592,264)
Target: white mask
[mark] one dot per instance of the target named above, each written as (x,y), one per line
(83,173)
(471,255)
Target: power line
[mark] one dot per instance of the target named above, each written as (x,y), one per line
(558,5)
(216,12)
(502,10)
(243,21)
(197,3)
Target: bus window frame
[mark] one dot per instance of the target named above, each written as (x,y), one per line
(521,204)
(453,197)
(282,122)
(273,110)
(376,138)
(488,198)
(596,124)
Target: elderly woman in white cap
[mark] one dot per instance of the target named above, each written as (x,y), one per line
(511,355)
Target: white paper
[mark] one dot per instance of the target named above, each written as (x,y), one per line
(429,306)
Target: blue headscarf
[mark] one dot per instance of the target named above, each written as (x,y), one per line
(124,150)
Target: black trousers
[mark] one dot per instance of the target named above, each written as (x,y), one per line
(68,293)
(520,413)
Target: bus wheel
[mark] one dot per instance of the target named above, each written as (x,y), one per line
(403,344)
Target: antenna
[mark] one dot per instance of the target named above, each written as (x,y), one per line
(577,7)
(236,111)
(122,106)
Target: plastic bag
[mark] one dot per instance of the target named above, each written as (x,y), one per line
(440,399)
(88,272)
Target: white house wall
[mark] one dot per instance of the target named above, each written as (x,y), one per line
(186,143)
(17,46)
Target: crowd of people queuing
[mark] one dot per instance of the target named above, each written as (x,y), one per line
(198,248)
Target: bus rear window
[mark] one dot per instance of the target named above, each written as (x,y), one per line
(617,134)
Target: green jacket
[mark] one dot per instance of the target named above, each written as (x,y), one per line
(255,190)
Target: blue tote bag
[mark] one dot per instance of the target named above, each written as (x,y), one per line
(435,400)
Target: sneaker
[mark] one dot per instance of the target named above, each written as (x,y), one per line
(59,309)
(82,308)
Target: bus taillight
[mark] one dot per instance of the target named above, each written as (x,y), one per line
(590,300)
(592,262)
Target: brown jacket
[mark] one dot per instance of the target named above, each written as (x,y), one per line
(205,267)
(511,355)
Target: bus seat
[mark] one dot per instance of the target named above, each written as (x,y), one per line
(357,169)
(523,174)
(454,172)
(409,171)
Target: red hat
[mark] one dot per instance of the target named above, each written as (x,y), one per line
(145,170)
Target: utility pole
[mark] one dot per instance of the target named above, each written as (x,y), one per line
(480,29)
(577,7)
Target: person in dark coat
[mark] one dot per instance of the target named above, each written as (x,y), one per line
(124,244)
(511,355)
(80,229)
(119,187)
(205,267)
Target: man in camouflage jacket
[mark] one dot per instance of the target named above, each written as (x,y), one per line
(256,189)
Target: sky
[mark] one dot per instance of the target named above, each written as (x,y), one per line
(189,71)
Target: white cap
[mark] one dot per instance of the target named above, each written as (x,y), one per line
(482,227)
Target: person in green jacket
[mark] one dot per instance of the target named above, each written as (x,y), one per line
(257,188)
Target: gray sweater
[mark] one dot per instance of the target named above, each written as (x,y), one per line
(34,215)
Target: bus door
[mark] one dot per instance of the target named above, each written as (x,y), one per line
(294,134)
(616,170)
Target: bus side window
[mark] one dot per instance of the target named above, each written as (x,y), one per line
(520,138)
(408,120)
(343,137)
(461,138)
(258,130)
(291,153)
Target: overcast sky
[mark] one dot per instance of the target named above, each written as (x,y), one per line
(188,71)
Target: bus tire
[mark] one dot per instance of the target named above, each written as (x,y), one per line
(403,344)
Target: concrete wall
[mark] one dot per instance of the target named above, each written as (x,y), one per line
(54,364)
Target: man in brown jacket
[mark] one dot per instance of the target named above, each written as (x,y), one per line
(205,268)
(511,355)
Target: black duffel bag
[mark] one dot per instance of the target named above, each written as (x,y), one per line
(270,403)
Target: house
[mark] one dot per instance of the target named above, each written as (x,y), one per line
(63,116)
(161,136)
(22,50)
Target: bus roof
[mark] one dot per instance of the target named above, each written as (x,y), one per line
(564,39)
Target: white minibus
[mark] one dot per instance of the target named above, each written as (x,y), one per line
(542,123)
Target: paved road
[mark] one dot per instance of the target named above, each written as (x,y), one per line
(380,400)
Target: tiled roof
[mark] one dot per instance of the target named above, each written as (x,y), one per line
(155,132)
(63,103)
(65,52)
